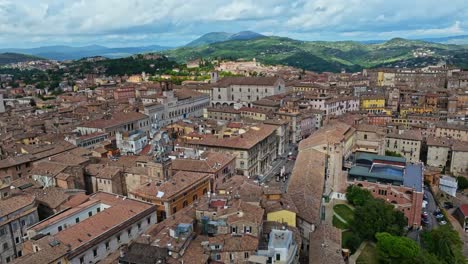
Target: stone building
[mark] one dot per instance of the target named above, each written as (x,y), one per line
(180,191)
(393,180)
(449,154)
(89,231)
(406,143)
(18,211)
(231,91)
(255,149)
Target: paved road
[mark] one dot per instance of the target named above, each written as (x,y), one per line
(430,208)
(270,177)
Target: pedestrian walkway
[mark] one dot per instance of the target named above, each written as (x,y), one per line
(340,218)
(353,258)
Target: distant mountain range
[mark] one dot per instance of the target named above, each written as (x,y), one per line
(311,55)
(73,53)
(328,56)
(215,37)
(9,57)
(457,40)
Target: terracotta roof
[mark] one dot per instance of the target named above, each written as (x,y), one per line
(181,181)
(452,126)
(285,203)
(223,110)
(48,168)
(327,235)
(232,243)
(261,81)
(308,175)
(210,162)
(102,171)
(369,128)
(245,141)
(13,161)
(439,142)
(183,94)
(159,234)
(408,135)
(247,189)
(195,253)
(464,209)
(15,203)
(253,110)
(69,158)
(116,120)
(52,197)
(266,102)
(46,254)
(121,210)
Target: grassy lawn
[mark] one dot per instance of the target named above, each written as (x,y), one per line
(339,224)
(368,255)
(344,211)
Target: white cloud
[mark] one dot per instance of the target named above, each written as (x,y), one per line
(28,22)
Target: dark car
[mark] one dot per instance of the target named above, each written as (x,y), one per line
(425,221)
(448,205)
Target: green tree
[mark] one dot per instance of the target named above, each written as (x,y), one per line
(357,196)
(462,183)
(353,242)
(445,243)
(396,249)
(378,216)
(392,153)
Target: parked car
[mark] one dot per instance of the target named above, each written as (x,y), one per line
(443,222)
(425,221)
(424,215)
(436,211)
(439,216)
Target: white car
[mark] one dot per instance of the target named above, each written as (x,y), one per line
(443,222)
(424,204)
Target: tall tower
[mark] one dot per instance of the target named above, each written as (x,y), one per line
(214,76)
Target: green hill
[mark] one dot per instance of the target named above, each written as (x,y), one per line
(209,38)
(327,56)
(8,57)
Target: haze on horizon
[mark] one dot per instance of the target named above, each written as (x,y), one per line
(32,23)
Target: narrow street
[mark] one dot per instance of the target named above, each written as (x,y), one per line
(430,209)
(270,178)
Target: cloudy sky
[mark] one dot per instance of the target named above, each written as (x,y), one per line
(117,23)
